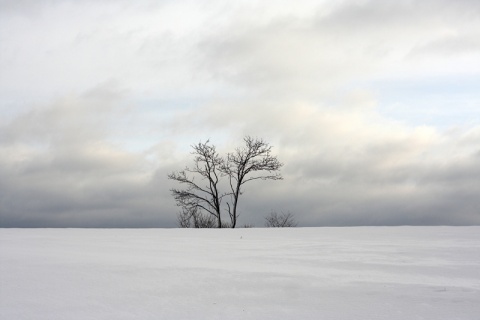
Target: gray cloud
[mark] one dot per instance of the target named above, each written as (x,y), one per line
(383,176)
(59,169)
(355,168)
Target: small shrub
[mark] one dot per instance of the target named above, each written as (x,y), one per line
(283,220)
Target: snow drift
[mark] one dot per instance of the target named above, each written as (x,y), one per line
(301,273)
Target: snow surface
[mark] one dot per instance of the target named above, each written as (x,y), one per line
(301,273)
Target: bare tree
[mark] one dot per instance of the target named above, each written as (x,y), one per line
(253,161)
(193,217)
(184,218)
(203,194)
(284,220)
(201,199)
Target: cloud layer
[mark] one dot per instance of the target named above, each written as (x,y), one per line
(373,107)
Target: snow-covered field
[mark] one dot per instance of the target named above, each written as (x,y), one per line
(302,273)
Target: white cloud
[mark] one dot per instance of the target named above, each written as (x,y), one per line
(338,89)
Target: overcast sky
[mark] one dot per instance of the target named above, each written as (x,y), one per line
(373,107)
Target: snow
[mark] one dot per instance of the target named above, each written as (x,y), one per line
(299,273)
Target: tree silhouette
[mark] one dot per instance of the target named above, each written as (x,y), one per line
(201,199)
